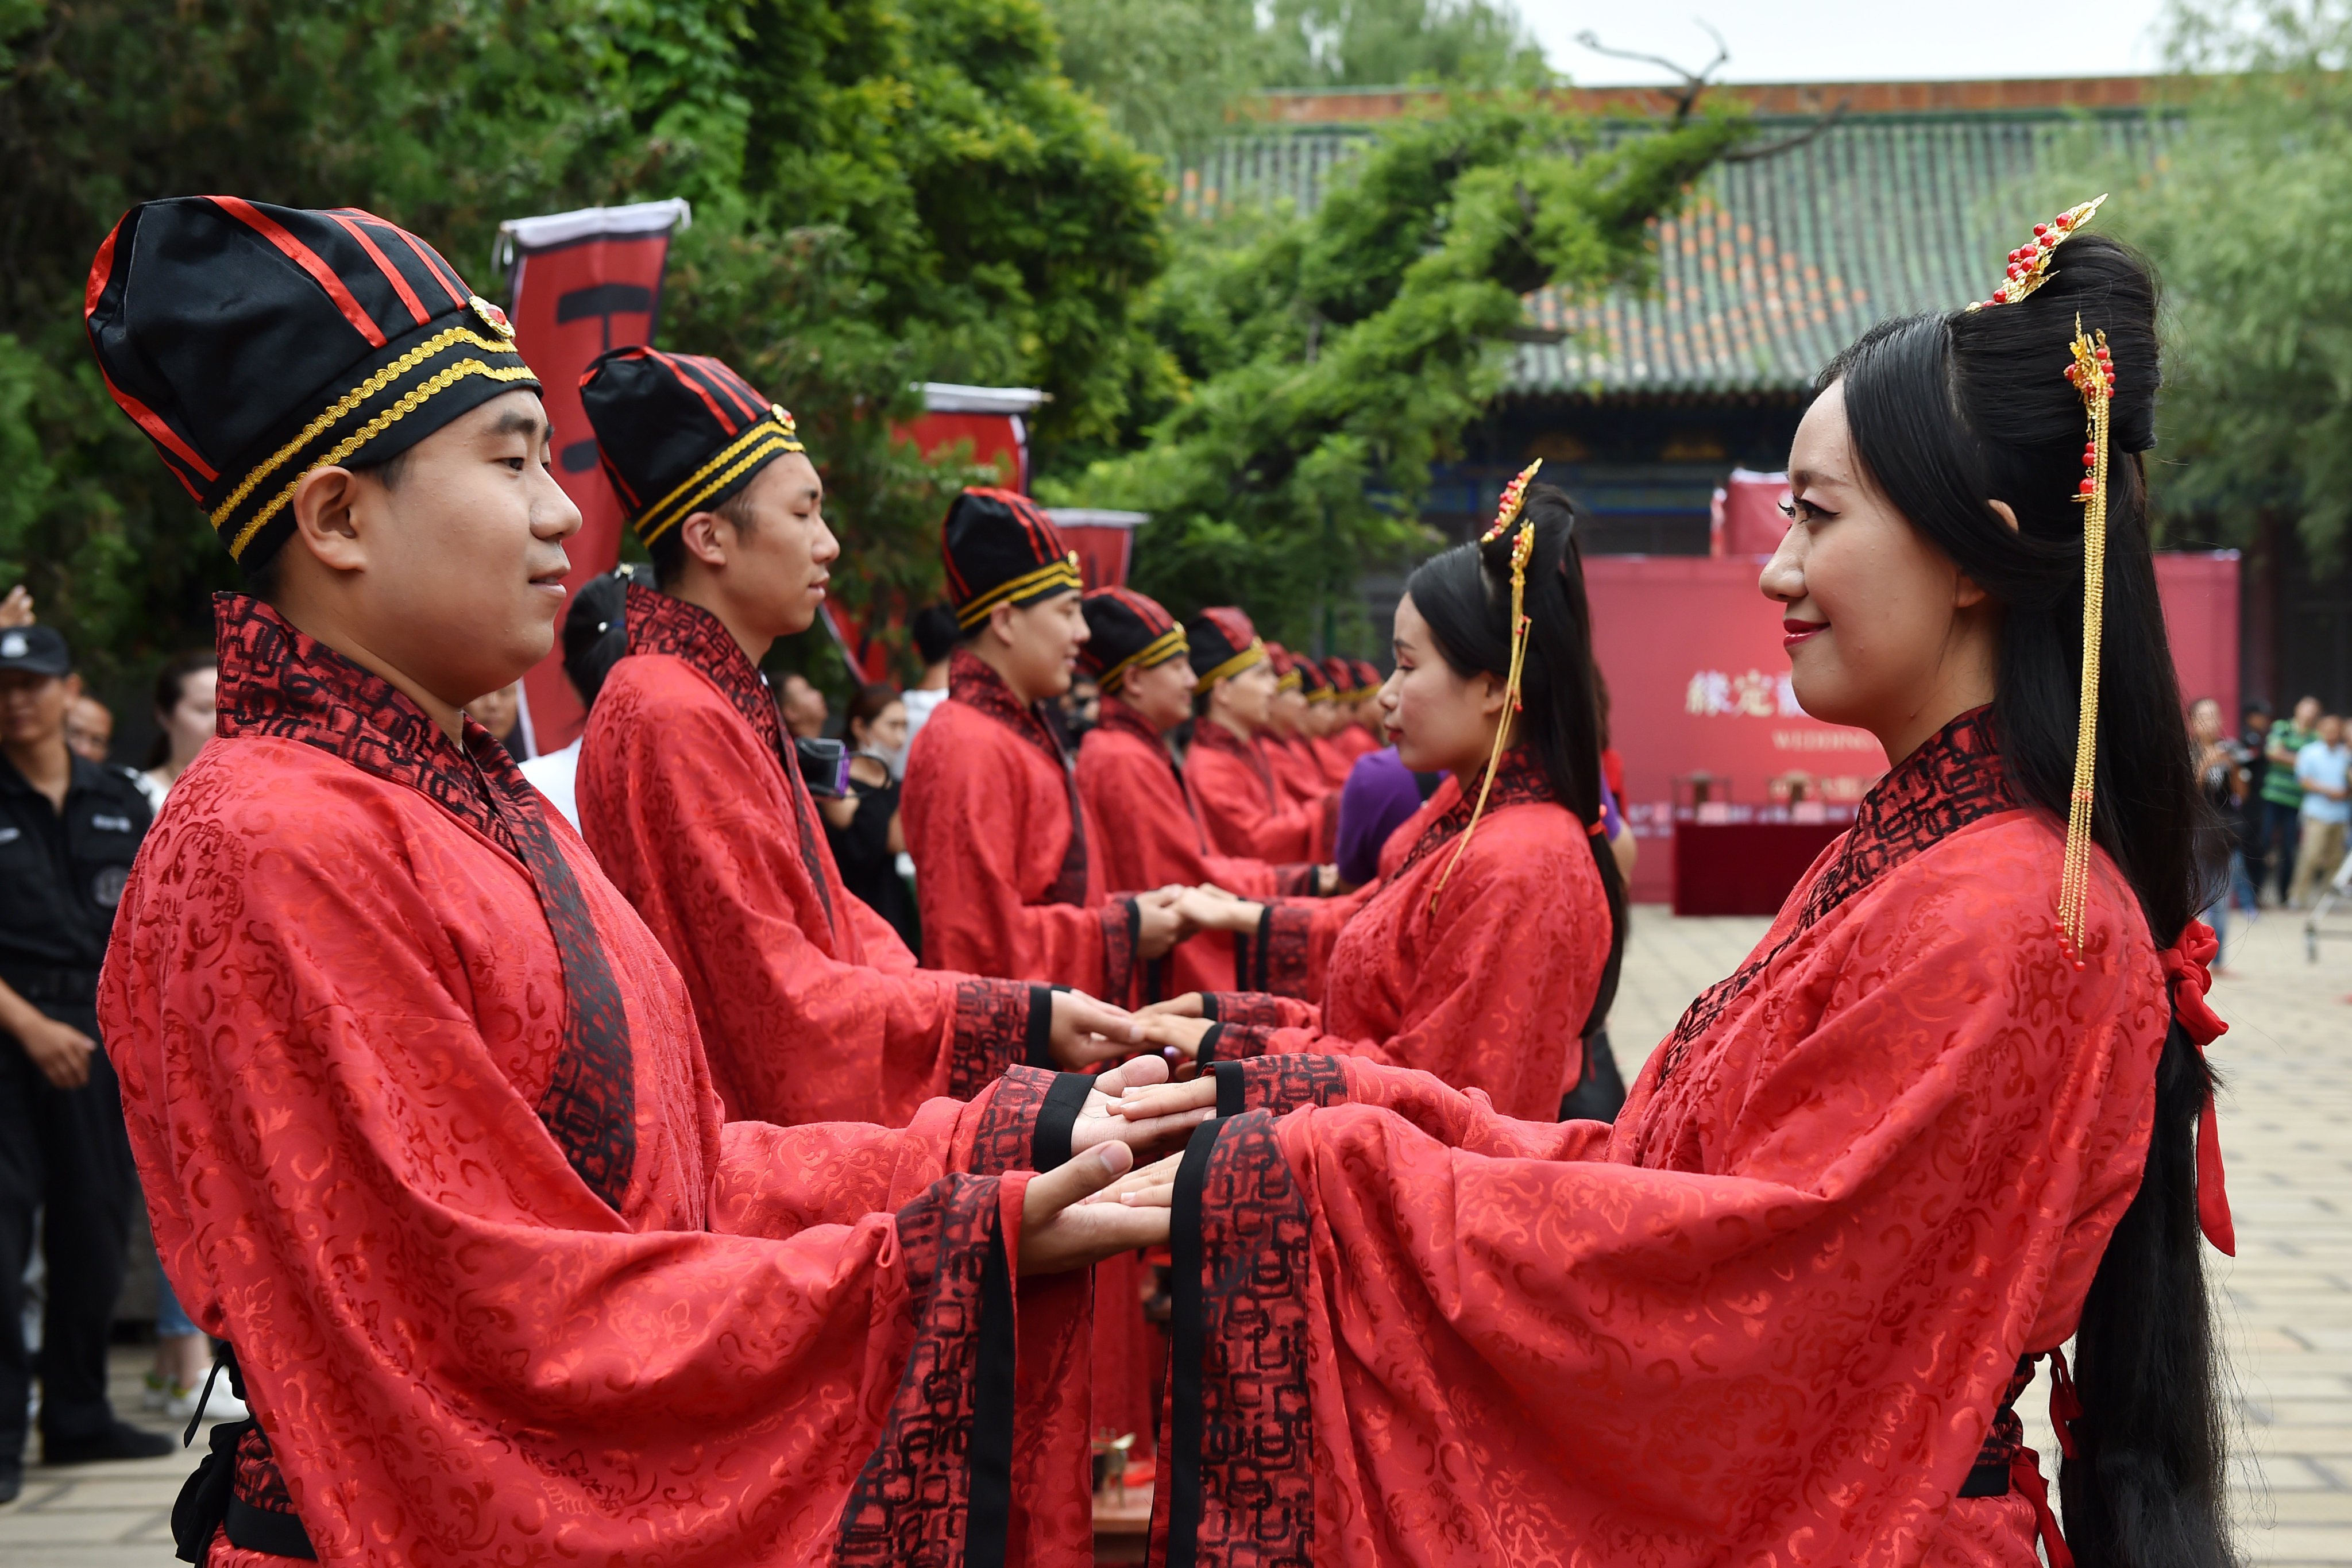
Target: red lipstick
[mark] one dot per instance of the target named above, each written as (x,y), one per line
(1794,631)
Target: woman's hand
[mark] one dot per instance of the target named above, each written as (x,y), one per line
(1085,1031)
(1164,1102)
(1187,1005)
(1101,1120)
(1182,1036)
(1070,1221)
(1213,909)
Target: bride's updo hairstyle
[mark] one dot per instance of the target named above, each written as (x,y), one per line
(1948,413)
(1465,595)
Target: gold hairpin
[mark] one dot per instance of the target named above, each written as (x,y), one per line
(2029,264)
(2092,372)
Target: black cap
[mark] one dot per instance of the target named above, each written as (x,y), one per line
(1000,549)
(253,343)
(1126,631)
(679,433)
(1224,642)
(35,650)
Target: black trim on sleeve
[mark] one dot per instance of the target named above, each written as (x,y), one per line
(1041,1028)
(988,1519)
(1205,1056)
(1208,1006)
(1263,948)
(1985,1480)
(1232,1088)
(1049,1146)
(1187,1332)
(1241,960)
(252,1529)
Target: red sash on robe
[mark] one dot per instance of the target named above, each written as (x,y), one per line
(1149,836)
(1768,1316)
(810,1006)
(495,1273)
(1246,813)
(1003,873)
(1486,988)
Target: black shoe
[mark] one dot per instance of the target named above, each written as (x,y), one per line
(119,1441)
(12,1482)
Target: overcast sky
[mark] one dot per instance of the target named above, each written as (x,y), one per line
(1856,40)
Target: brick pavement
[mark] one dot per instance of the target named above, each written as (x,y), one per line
(2286,1301)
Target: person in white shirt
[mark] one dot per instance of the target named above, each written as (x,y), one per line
(594,638)
(936,635)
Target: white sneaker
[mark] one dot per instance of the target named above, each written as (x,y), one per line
(157,1392)
(224,1406)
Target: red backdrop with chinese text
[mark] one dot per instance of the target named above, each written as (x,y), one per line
(1698,681)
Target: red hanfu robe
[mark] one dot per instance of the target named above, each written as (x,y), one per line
(1767,1317)
(810,1006)
(1351,742)
(1004,873)
(1485,985)
(1329,757)
(1246,811)
(425,1132)
(1151,837)
(1298,772)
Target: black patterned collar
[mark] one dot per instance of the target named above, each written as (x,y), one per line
(279,681)
(662,623)
(1518,781)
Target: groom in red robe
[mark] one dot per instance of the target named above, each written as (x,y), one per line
(1005,868)
(417,1101)
(692,797)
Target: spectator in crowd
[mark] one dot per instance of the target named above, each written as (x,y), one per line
(936,635)
(2221,775)
(2252,859)
(804,708)
(90,728)
(185,692)
(184,717)
(2282,794)
(2321,767)
(1076,710)
(863,825)
(68,831)
(594,638)
(17,609)
(501,712)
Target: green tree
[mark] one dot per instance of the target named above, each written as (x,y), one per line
(1331,359)
(2248,215)
(1385,42)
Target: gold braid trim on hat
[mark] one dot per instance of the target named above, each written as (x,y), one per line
(2094,375)
(1511,509)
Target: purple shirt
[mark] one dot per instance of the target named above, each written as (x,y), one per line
(1381,793)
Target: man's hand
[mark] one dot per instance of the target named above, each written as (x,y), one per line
(61,1051)
(1085,1031)
(1163,924)
(1328,884)
(1100,1121)
(1068,1221)
(1187,1005)
(1169,1032)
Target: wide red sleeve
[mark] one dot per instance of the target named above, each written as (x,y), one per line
(449,1340)
(1488,990)
(686,812)
(1788,1354)
(1241,821)
(978,837)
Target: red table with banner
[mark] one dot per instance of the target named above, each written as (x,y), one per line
(1732,860)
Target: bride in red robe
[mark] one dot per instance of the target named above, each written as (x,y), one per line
(1481,954)
(1952,1112)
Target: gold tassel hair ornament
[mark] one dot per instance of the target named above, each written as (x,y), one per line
(2094,375)
(1510,510)
(2029,264)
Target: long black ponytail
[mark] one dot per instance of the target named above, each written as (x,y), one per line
(1465,595)
(1946,413)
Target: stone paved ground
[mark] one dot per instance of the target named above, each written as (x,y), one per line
(2286,1300)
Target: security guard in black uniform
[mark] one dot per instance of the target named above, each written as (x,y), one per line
(69,829)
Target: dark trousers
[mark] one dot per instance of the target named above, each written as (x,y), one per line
(2281,835)
(62,1151)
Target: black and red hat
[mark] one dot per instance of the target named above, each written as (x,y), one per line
(678,433)
(1224,644)
(1126,631)
(1341,674)
(1000,549)
(1285,666)
(1368,675)
(253,343)
(1311,679)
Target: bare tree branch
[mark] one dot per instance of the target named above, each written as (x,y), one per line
(1694,83)
(1789,143)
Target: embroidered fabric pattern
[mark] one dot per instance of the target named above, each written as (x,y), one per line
(1118,921)
(276,681)
(1953,780)
(990,1031)
(1009,1123)
(1285,941)
(1257,1446)
(661,623)
(912,1500)
(1250,1009)
(1284,1083)
(259,1483)
(972,681)
(1296,881)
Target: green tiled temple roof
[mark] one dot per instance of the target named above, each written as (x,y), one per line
(1776,262)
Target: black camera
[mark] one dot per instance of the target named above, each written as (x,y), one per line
(824,766)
